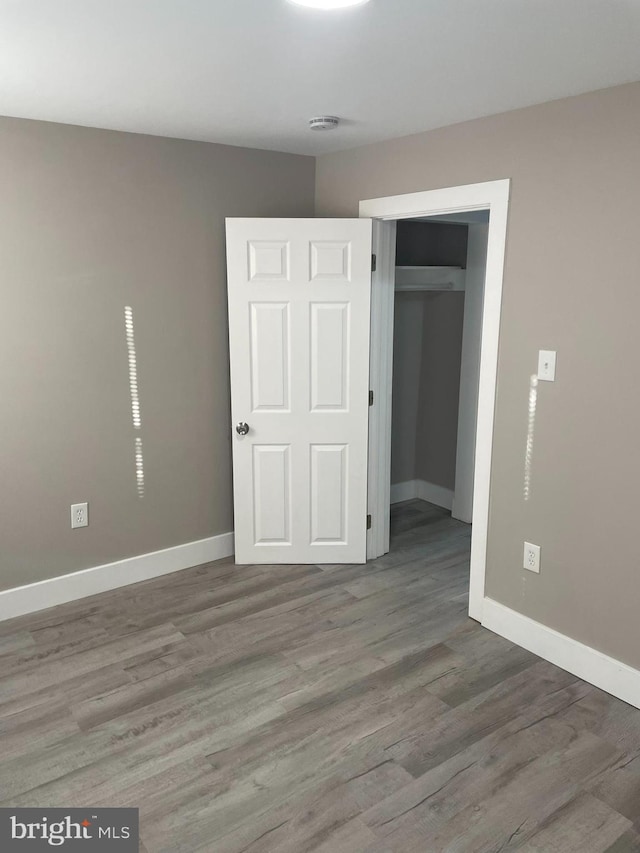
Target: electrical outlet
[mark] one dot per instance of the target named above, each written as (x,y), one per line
(531,557)
(79,515)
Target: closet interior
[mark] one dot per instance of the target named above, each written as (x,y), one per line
(439,282)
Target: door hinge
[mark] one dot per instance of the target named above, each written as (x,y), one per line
(374,262)
(371,398)
(368,522)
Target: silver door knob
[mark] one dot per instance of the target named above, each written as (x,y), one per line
(242,428)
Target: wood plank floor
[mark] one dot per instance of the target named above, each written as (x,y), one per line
(305,708)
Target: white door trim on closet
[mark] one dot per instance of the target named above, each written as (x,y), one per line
(380,379)
(462,498)
(494,196)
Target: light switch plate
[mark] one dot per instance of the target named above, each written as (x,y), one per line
(547,365)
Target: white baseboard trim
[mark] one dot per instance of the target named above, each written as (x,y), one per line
(411,489)
(48,593)
(609,674)
(406,491)
(437,495)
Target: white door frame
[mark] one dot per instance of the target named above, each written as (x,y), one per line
(491,195)
(380,378)
(462,504)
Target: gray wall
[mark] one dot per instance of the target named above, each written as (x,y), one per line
(407,366)
(437,429)
(91,221)
(570,284)
(437,244)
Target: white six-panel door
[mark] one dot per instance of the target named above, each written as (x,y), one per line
(299,297)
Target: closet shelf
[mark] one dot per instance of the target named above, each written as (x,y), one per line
(430,278)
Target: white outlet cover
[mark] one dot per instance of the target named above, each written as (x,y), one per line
(79,515)
(547,365)
(531,559)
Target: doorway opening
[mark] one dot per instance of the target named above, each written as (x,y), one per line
(439,291)
(471,493)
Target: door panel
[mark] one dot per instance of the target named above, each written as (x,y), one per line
(329,477)
(330,261)
(272,494)
(268,260)
(329,356)
(299,301)
(270,356)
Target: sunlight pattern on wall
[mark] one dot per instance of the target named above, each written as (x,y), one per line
(136,414)
(133,367)
(528,456)
(139,467)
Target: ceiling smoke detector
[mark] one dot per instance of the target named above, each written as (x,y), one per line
(324,122)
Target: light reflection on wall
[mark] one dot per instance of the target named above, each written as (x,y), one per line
(528,456)
(133,367)
(139,467)
(136,413)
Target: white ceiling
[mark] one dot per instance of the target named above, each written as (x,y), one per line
(251,72)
